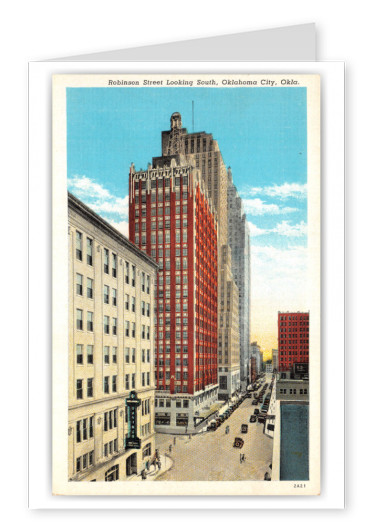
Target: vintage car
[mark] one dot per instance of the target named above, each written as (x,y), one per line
(238,442)
(252,418)
(212,426)
(244,428)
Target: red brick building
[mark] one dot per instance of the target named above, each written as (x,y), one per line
(293,339)
(170,217)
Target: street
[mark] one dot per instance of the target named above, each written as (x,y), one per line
(210,456)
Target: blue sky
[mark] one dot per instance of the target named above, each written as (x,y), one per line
(262,134)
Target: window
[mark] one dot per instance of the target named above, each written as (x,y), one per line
(126,329)
(79,284)
(114,297)
(114,354)
(133,329)
(133,355)
(106,324)
(79,354)
(106,294)
(78,245)
(114,326)
(126,301)
(114,384)
(133,275)
(106,355)
(114,265)
(79,319)
(90,387)
(112,473)
(127,272)
(126,355)
(79,390)
(142,281)
(133,304)
(106,384)
(90,323)
(106,260)
(89,288)
(89,352)
(133,381)
(126,383)
(89,251)
(147,284)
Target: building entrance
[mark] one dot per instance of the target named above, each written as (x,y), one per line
(131,464)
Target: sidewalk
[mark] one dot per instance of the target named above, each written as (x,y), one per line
(153,473)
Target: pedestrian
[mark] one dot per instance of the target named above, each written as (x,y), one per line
(170,448)
(147,465)
(143,474)
(174,441)
(241,458)
(159,464)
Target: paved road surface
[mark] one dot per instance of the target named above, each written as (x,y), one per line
(210,456)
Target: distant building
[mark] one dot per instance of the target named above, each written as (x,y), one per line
(255,352)
(269,367)
(275,359)
(111,350)
(253,372)
(239,241)
(228,358)
(293,339)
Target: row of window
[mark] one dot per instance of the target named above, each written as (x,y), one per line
(166,224)
(85,461)
(153,211)
(167,307)
(129,355)
(110,384)
(167,349)
(146,429)
(85,429)
(129,328)
(283,391)
(145,279)
(110,448)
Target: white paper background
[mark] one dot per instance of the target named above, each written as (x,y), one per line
(41,29)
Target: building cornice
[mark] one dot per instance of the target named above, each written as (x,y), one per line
(82,209)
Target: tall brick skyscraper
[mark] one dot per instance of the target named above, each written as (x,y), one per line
(203,152)
(293,339)
(171,218)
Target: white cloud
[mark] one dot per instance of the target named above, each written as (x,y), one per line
(84,187)
(279,275)
(256,231)
(122,227)
(283,229)
(282,191)
(98,198)
(258,207)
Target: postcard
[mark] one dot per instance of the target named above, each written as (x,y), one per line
(186,266)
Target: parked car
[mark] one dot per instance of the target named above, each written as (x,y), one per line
(212,426)
(252,418)
(257,411)
(238,442)
(244,428)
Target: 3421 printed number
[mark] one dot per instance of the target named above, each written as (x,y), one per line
(299,485)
